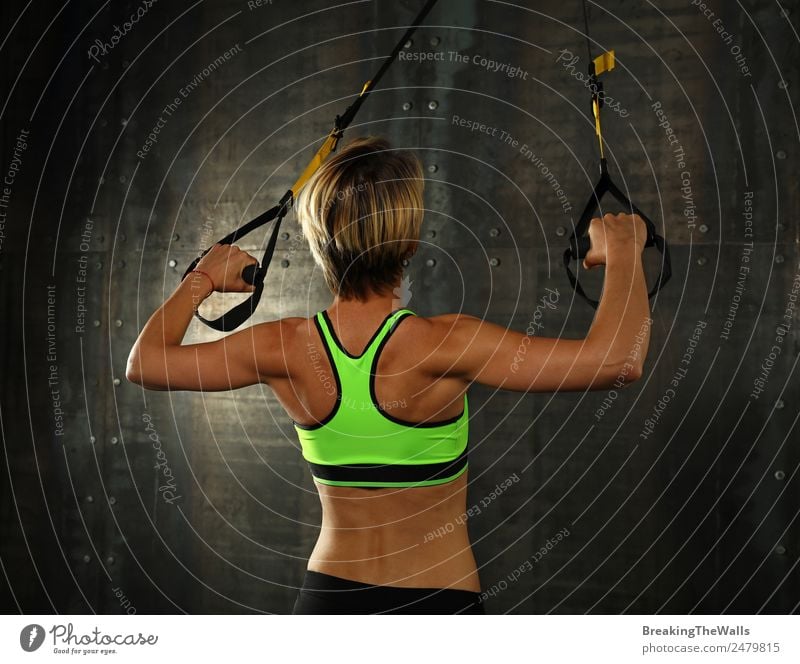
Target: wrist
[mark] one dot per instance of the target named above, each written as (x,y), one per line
(627,254)
(201,285)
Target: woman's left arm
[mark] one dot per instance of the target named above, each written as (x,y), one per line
(159,361)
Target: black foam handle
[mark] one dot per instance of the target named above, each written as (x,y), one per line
(250,273)
(579,246)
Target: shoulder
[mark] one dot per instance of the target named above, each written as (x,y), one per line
(277,342)
(447,334)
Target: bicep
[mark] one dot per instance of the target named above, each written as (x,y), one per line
(507,359)
(237,360)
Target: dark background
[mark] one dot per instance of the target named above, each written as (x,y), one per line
(698,517)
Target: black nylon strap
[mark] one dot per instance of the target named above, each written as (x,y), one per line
(579,244)
(255,275)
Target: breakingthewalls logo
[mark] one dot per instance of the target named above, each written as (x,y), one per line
(31,637)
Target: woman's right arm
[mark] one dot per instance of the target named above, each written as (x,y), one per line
(612,352)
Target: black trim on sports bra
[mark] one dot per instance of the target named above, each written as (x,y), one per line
(374,398)
(369,343)
(329,417)
(369,472)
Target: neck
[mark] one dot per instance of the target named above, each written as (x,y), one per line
(375,305)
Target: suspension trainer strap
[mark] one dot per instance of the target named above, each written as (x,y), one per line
(254,274)
(579,243)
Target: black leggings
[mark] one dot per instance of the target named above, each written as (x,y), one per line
(326,594)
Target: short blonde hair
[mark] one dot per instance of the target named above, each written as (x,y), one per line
(361,213)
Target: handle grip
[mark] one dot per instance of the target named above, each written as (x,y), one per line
(250,273)
(579,246)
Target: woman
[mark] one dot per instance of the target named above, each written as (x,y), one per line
(377,394)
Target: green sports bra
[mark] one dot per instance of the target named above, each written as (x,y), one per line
(360,443)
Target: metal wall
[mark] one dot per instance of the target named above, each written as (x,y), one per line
(678,494)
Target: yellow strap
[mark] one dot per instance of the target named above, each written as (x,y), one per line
(322,154)
(604,62)
(316,161)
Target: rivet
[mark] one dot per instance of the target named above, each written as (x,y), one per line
(102,181)
(123,121)
(118,322)
(779,474)
(433,168)
(781,154)
(98,265)
(116,382)
(110,560)
(703,228)
(86,558)
(122,237)
(114,440)
(176,237)
(172,262)
(431,234)
(89,499)
(780,549)
(407,106)
(779,258)
(285,263)
(779,404)
(494,232)
(561,231)
(122,179)
(433,104)
(405,262)
(783,85)
(435,41)
(112,501)
(92,439)
(702,260)
(494,262)
(120,264)
(284,236)
(408,43)
(781,227)
(96,323)
(431,262)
